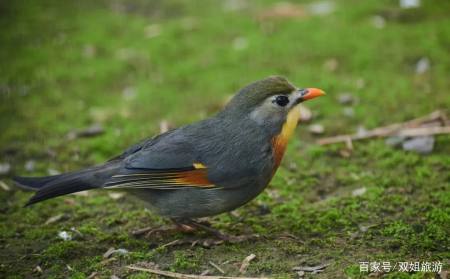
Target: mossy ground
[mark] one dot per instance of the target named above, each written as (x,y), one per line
(66,65)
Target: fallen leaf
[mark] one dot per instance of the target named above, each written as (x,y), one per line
(4,186)
(37,269)
(54,219)
(92,275)
(108,253)
(164,126)
(116,195)
(246,263)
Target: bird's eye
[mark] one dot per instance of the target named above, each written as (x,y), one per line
(281,100)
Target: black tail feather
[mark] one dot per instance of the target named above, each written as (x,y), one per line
(53,186)
(62,186)
(33,183)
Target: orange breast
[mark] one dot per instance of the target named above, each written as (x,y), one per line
(280,141)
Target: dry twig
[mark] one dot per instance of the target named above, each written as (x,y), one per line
(217,267)
(432,124)
(186,276)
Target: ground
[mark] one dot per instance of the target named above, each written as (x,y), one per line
(129,65)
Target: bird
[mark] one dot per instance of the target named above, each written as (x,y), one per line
(201,169)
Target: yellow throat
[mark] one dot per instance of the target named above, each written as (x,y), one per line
(279,143)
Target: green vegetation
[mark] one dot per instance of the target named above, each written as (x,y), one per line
(128,65)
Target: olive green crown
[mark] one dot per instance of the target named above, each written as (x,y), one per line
(256,92)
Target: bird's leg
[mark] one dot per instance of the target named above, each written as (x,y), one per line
(223,237)
(206,226)
(151,231)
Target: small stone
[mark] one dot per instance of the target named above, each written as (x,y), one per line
(129,93)
(345,99)
(188,23)
(91,131)
(394,141)
(408,4)
(121,251)
(240,43)
(360,83)
(421,145)
(331,64)
(321,7)
(378,22)
(53,172)
(29,165)
(234,5)
(348,111)
(152,31)
(305,113)
(422,66)
(359,192)
(316,129)
(5,168)
(65,235)
(89,51)
(361,131)
(363,228)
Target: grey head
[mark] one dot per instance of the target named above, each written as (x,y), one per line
(267,102)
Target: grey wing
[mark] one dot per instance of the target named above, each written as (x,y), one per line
(165,164)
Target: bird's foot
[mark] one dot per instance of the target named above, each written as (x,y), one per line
(206,226)
(158,231)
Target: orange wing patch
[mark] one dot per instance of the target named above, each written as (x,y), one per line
(197,176)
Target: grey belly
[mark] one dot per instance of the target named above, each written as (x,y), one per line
(195,203)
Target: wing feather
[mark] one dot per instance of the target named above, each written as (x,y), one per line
(170,179)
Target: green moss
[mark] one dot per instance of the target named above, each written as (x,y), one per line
(66,66)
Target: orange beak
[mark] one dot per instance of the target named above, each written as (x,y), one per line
(312,93)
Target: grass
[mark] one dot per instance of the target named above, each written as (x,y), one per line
(128,65)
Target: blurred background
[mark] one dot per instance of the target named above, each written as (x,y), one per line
(82,80)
